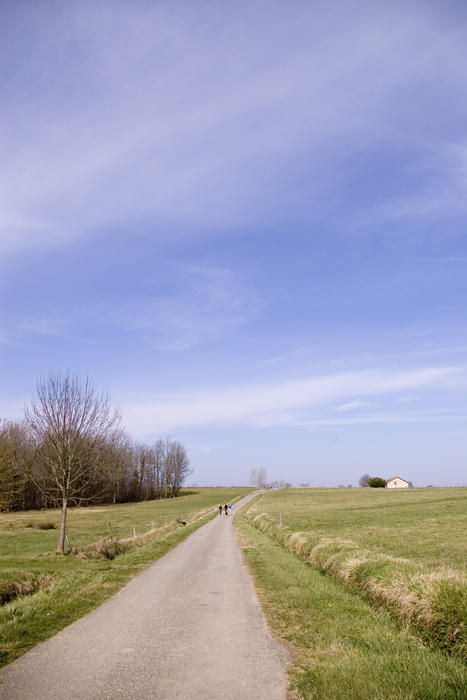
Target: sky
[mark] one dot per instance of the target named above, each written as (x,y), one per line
(247,222)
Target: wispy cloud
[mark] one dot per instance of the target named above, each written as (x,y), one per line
(278,359)
(29,328)
(166,122)
(352,405)
(200,305)
(274,403)
(388,418)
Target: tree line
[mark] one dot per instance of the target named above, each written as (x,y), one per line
(70,448)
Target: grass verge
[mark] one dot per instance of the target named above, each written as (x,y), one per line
(433,603)
(342,646)
(428,596)
(75,584)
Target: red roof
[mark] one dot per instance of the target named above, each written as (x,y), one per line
(396,477)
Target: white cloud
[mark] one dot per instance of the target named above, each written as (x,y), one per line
(277,359)
(274,403)
(352,405)
(388,418)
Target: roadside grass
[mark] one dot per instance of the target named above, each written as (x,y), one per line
(342,647)
(55,590)
(428,594)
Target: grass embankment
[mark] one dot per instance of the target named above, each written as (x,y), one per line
(402,550)
(341,645)
(47,591)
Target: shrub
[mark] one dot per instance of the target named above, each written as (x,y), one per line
(44,525)
(103,549)
(376,482)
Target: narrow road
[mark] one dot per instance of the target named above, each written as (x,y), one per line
(188,627)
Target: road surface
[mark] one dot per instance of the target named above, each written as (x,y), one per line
(189,627)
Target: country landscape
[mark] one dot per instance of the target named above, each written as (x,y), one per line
(233,350)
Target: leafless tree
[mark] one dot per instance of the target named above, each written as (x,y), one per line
(17,451)
(72,423)
(279,484)
(119,463)
(258,478)
(177,467)
(364,479)
(159,450)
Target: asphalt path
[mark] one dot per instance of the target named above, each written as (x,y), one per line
(190,626)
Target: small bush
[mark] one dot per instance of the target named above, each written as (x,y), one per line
(47,526)
(44,525)
(103,549)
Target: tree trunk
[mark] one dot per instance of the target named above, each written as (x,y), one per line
(61,539)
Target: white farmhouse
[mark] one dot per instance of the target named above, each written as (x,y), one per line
(396,482)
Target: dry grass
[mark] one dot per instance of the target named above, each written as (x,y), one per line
(10,590)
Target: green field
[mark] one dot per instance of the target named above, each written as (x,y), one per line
(425,525)
(67,587)
(367,586)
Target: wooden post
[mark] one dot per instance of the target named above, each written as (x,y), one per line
(134,533)
(280,519)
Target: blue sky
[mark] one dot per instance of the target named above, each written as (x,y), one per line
(247,222)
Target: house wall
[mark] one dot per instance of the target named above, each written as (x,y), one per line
(398,484)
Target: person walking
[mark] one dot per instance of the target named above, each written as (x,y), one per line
(220,510)
(230,509)
(226,508)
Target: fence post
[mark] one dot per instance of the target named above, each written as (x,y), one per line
(280,519)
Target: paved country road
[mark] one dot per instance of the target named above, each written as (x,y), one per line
(190,627)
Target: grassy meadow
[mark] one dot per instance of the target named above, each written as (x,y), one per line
(425,525)
(367,586)
(44,591)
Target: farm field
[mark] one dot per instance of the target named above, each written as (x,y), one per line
(425,525)
(367,586)
(67,587)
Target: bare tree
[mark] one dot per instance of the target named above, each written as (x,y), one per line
(143,461)
(10,478)
(119,463)
(158,470)
(364,479)
(279,484)
(258,478)
(177,466)
(17,451)
(72,424)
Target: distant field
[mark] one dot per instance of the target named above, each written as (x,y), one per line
(66,587)
(425,525)
(354,579)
